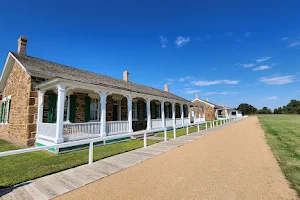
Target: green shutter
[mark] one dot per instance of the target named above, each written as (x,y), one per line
(52,100)
(87,109)
(72,117)
(9,103)
(3,111)
(1,116)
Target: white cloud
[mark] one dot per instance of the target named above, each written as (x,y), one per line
(185,78)
(209,93)
(295,44)
(263,59)
(180,41)
(272,98)
(260,68)
(164,41)
(277,80)
(214,69)
(216,82)
(247,34)
(227,93)
(190,91)
(248,65)
(284,38)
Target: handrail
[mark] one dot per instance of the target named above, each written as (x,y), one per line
(103,139)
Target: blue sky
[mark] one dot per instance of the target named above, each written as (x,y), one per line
(230,52)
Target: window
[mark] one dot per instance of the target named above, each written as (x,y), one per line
(66,107)
(134,110)
(168,110)
(3,108)
(8,109)
(94,110)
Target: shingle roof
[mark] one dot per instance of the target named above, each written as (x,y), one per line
(49,69)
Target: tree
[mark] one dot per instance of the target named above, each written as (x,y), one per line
(275,111)
(247,109)
(264,110)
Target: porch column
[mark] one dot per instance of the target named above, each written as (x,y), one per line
(148,101)
(174,119)
(129,107)
(41,94)
(189,114)
(103,96)
(182,113)
(61,95)
(163,121)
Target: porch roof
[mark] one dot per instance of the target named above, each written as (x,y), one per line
(46,69)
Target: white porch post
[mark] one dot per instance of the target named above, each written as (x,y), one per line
(148,101)
(41,95)
(103,96)
(182,113)
(174,119)
(189,106)
(163,121)
(61,91)
(129,107)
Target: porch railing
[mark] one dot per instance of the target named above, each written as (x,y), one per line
(156,123)
(46,131)
(178,121)
(186,121)
(169,122)
(77,130)
(116,127)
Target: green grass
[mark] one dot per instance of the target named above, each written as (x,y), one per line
(283,136)
(15,169)
(180,132)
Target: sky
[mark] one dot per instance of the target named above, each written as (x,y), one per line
(230,52)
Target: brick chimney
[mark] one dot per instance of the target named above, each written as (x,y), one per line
(196,96)
(126,76)
(207,100)
(22,42)
(166,88)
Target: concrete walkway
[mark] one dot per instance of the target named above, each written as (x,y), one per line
(54,185)
(232,163)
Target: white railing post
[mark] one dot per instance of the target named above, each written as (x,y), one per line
(103,97)
(91,151)
(165,134)
(162,108)
(129,106)
(210,123)
(148,101)
(61,91)
(174,119)
(205,125)
(187,130)
(182,114)
(198,126)
(145,140)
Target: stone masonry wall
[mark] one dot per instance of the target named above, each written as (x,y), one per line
(20,129)
(209,111)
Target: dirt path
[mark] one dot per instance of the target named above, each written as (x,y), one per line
(232,163)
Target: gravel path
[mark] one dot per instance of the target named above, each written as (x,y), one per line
(232,163)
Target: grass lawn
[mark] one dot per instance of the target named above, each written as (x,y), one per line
(180,132)
(283,136)
(27,166)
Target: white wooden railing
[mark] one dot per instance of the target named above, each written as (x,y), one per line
(169,122)
(178,121)
(46,131)
(186,121)
(117,127)
(156,123)
(81,130)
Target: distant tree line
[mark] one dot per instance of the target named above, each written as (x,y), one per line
(291,108)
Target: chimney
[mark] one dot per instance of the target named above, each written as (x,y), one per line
(22,41)
(219,104)
(126,76)
(196,96)
(166,88)
(207,100)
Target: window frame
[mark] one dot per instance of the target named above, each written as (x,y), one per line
(97,113)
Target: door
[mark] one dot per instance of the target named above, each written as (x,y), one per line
(115,112)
